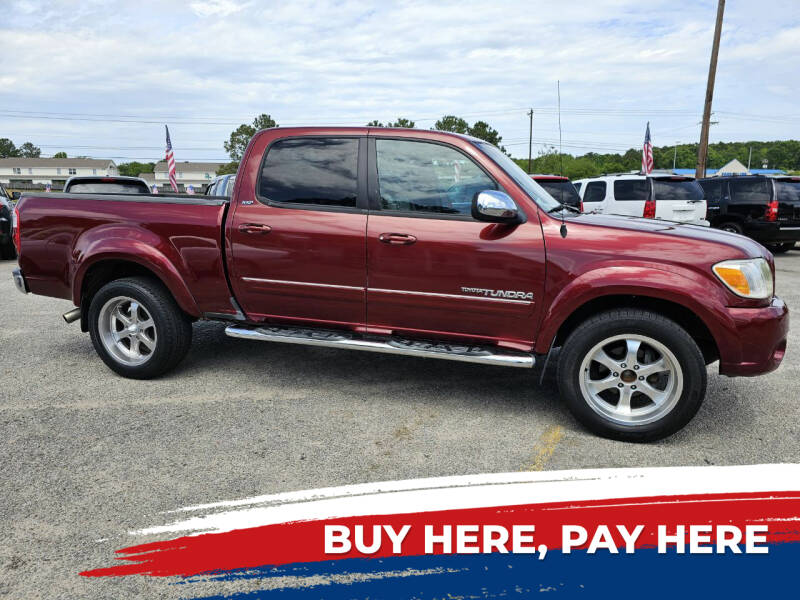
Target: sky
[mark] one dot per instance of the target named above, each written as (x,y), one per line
(101,78)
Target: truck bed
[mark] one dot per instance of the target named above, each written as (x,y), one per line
(177,237)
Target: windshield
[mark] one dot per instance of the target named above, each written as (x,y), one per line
(563,191)
(108,187)
(669,189)
(520,177)
(788,191)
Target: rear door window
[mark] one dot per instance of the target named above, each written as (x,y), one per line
(311,171)
(750,191)
(631,189)
(595,191)
(675,189)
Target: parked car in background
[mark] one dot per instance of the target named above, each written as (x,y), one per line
(6,214)
(221,185)
(420,243)
(667,197)
(106,185)
(560,188)
(764,208)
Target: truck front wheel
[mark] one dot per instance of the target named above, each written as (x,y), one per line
(632,375)
(137,328)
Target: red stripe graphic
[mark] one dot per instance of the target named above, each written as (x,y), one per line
(303,541)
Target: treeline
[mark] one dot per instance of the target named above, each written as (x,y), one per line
(775,155)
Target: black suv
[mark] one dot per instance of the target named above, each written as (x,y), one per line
(6,243)
(766,209)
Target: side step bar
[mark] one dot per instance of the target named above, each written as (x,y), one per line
(486,355)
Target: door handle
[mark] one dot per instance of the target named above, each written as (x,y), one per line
(397,239)
(254,228)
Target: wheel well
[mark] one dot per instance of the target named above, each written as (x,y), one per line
(684,317)
(104,272)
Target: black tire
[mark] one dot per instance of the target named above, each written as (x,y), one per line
(586,337)
(731,226)
(172,326)
(8,252)
(780,248)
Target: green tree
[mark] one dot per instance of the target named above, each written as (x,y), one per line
(228,168)
(401,122)
(60,155)
(28,150)
(240,137)
(482,130)
(132,169)
(7,148)
(452,123)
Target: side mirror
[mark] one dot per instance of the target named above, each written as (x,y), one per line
(495,207)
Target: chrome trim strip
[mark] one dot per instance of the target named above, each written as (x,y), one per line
(305,283)
(526,361)
(453,296)
(384,291)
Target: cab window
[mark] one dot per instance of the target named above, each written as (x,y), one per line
(424,178)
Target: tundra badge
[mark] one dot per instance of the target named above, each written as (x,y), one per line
(498,293)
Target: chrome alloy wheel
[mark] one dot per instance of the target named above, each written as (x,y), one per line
(631,379)
(127,331)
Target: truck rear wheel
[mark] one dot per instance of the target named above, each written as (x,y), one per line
(137,328)
(731,226)
(632,375)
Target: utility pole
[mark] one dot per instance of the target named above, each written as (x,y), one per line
(675,156)
(749,157)
(702,153)
(530,141)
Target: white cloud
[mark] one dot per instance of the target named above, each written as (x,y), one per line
(211,8)
(349,62)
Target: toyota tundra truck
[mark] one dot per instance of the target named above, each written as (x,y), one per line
(417,243)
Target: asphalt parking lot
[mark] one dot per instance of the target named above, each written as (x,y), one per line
(87,456)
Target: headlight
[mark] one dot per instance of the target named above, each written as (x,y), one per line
(748,278)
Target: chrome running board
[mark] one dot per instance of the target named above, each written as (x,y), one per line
(487,355)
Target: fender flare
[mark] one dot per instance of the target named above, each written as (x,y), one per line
(677,285)
(142,252)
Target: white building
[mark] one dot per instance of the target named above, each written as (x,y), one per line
(54,171)
(196,174)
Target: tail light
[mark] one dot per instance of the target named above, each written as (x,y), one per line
(649,209)
(16,226)
(772,211)
(580,206)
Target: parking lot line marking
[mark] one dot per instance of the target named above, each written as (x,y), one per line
(545,447)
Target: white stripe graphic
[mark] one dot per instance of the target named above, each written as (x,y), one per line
(477,491)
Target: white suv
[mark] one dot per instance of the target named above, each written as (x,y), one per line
(654,196)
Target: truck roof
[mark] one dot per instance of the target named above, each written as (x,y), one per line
(404,131)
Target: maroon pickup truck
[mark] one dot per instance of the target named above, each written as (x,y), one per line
(419,243)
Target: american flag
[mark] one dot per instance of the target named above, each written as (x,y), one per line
(647,152)
(171,163)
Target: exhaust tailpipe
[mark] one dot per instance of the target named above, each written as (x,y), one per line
(72,316)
